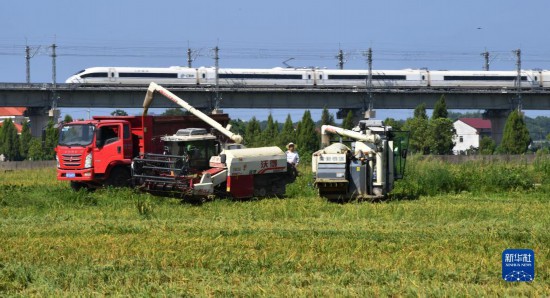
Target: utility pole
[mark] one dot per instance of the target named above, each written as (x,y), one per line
(217,93)
(369,113)
(518,79)
(53,112)
(340,57)
(53,65)
(369,62)
(189,60)
(28,65)
(28,57)
(486,59)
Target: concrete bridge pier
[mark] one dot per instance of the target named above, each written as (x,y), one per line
(38,118)
(498,119)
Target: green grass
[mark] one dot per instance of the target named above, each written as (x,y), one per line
(55,242)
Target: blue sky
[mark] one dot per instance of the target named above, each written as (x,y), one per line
(403,34)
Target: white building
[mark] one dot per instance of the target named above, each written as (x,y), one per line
(469,131)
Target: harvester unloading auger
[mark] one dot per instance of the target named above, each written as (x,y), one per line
(199,164)
(368,169)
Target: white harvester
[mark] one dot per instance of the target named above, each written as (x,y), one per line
(367,168)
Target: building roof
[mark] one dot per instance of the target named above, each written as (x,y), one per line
(12,111)
(19,127)
(477,123)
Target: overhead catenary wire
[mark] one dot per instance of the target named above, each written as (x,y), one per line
(279,52)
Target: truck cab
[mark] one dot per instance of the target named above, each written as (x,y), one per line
(88,151)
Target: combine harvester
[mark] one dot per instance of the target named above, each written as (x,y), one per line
(367,170)
(197,164)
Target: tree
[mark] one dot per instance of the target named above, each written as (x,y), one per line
(487,146)
(348,121)
(440,136)
(10,141)
(68,119)
(270,132)
(52,136)
(327,118)
(119,112)
(35,150)
(287,134)
(548,137)
(25,140)
(420,111)
(238,126)
(395,124)
(174,112)
(440,109)
(419,130)
(516,137)
(418,139)
(252,132)
(307,140)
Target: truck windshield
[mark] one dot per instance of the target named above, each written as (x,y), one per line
(76,135)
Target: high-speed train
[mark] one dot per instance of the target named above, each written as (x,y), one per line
(310,77)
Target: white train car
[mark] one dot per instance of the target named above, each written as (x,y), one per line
(135,75)
(481,79)
(257,77)
(380,78)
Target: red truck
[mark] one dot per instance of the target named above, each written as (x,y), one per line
(98,152)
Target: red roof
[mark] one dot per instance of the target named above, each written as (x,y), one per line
(19,127)
(12,111)
(477,123)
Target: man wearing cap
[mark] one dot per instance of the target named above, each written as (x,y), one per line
(291,154)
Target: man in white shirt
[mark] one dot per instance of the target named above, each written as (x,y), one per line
(292,156)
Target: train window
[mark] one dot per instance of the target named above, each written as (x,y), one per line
(95,75)
(363,77)
(259,76)
(536,79)
(423,78)
(147,75)
(482,78)
(204,76)
(320,77)
(309,77)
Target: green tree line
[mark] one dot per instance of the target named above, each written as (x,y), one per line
(16,147)
(427,135)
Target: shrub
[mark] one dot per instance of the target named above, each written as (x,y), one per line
(430,176)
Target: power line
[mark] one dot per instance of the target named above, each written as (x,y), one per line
(304,54)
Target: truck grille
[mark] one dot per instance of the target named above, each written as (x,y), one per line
(72,160)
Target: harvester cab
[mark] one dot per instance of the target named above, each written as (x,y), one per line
(194,145)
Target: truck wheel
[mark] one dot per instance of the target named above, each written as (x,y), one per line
(76,186)
(119,177)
